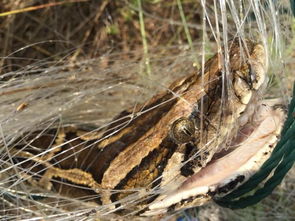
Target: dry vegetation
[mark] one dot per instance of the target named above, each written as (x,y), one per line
(89,29)
(124,32)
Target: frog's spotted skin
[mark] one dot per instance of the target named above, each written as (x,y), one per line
(169,155)
(244,143)
(223,175)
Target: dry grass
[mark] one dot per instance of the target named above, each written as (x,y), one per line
(118,33)
(88,29)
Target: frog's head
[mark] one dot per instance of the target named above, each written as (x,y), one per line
(232,131)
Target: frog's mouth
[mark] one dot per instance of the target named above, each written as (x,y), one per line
(228,169)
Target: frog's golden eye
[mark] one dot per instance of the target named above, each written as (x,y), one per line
(183,130)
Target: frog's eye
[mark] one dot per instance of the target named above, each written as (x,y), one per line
(183,130)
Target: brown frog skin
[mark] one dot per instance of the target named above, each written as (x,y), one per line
(171,137)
